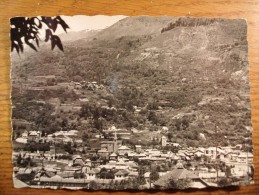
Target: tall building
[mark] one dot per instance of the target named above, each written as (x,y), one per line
(115,145)
(164,141)
(112,146)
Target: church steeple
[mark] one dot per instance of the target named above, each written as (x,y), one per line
(115,135)
(115,144)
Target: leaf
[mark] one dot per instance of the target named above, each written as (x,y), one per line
(59,44)
(14,45)
(25,30)
(62,23)
(48,35)
(30,44)
(55,40)
(52,24)
(53,43)
(20,44)
(18,22)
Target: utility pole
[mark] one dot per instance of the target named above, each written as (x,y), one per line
(150,177)
(217,155)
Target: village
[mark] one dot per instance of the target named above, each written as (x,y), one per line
(114,163)
(111,157)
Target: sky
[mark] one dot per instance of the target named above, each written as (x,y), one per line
(80,22)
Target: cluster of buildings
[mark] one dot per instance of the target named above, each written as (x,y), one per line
(116,162)
(57,137)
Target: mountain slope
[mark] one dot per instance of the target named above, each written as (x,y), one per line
(177,69)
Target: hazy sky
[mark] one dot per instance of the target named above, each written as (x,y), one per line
(80,22)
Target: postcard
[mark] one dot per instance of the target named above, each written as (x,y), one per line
(121,102)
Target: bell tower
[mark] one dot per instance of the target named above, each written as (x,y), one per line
(115,142)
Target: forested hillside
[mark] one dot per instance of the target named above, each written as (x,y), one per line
(189,76)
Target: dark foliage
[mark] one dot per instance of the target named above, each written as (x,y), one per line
(32,147)
(26,30)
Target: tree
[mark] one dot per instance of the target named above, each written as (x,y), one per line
(27,30)
(224,182)
(152,117)
(179,184)
(104,174)
(19,159)
(93,185)
(68,148)
(132,184)
(170,136)
(154,175)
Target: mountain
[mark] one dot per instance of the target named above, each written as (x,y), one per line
(77,35)
(190,74)
(135,26)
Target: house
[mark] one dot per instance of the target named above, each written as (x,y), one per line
(211,175)
(240,170)
(138,148)
(70,133)
(234,157)
(92,174)
(245,158)
(153,152)
(21,140)
(147,177)
(179,175)
(120,133)
(121,175)
(133,174)
(88,162)
(115,165)
(121,165)
(165,129)
(213,152)
(175,158)
(169,143)
(133,166)
(34,136)
(78,142)
(123,134)
(67,140)
(99,136)
(122,150)
(103,152)
(163,141)
(141,155)
(25,134)
(77,160)
(113,156)
(198,154)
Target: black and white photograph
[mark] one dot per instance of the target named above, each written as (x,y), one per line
(130,102)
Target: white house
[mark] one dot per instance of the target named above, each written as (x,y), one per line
(91,175)
(121,175)
(163,141)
